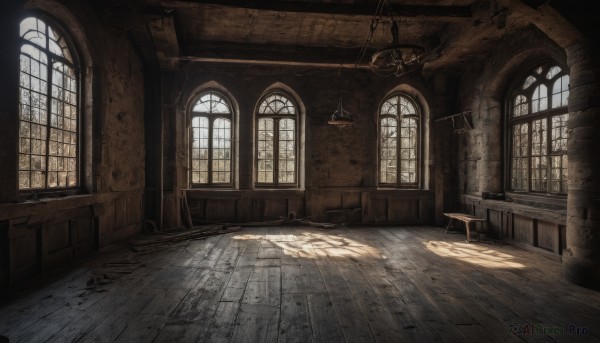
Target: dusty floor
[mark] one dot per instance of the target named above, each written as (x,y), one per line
(303,284)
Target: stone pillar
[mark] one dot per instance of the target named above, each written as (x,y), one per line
(490,165)
(581,259)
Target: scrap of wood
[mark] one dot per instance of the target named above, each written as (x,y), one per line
(284,221)
(198,233)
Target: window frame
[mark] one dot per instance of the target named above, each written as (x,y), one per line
(211,119)
(79,75)
(419,142)
(546,115)
(277,117)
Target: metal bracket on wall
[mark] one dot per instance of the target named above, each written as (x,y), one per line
(466,122)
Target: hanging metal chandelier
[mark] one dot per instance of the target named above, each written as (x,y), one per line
(397,59)
(341,117)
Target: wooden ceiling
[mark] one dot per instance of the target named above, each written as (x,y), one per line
(307,33)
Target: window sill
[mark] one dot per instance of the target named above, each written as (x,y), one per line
(555,202)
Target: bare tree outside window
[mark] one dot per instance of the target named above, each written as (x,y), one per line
(538,132)
(276,148)
(399,142)
(48,109)
(211,152)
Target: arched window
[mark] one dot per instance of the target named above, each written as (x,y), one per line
(537,123)
(277,135)
(211,140)
(399,137)
(49,108)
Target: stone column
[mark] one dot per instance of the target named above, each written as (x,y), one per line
(581,259)
(490,165)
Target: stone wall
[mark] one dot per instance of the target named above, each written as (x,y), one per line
(340,164)
(482,151)
(43,233)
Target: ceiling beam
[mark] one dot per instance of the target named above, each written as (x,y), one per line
(164,36)
(426,11)
(272,62)
(227,52)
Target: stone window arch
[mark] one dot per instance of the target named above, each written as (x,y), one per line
(49,107)
(212,139)
(399,127)
(277,137)
(537,129)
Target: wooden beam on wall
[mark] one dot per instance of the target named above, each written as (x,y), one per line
(227,52)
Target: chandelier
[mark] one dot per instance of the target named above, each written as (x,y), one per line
(341,117)
(396,59)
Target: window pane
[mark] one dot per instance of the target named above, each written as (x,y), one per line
(221,151)
(388,147)
(63,126)
(528,82)
(552,72)
(211,103)
(200,146)
(520,106)
(560,92)
(558,162)
(265,151)
(539,148)
(539,101)
(277,104)
(287,151)
(520,152)
(408,150)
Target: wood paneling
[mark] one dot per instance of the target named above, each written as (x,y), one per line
(494,222)
(548,236)
(332,205)
(403,210)
(523,230)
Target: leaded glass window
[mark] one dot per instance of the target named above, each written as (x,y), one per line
(48,108)
(399,123)
(276,143)
(211,140)
(538,132)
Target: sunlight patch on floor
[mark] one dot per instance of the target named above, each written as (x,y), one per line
(473,253)
(312,245)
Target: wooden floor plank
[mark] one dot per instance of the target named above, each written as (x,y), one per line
(256,323)
(324,321)
(221,326)
(295,319)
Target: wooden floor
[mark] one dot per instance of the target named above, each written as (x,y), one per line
(300,284)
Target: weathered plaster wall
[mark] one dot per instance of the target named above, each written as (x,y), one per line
(532,220)
(340,164)
(40,234)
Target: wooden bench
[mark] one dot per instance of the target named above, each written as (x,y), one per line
(465,218)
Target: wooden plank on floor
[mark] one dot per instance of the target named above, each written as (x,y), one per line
(264,287)
(303,278)
(323,318)
(144,328)
(221,326)
(178,331)
(295,319)
(234,291)
(256,323)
